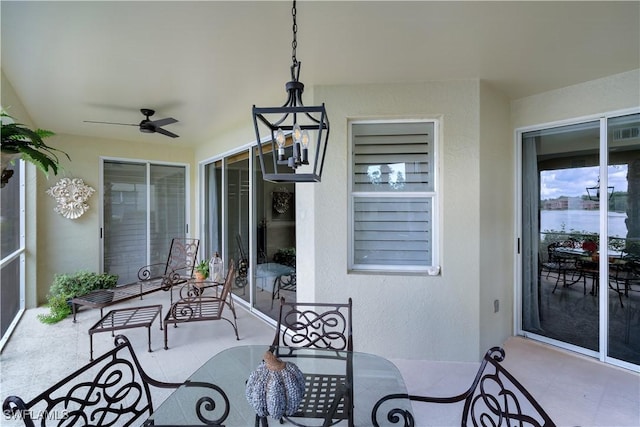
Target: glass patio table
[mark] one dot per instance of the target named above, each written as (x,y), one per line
(373,378)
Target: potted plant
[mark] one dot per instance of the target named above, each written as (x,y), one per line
(202,270)
(18,141)
(67,286)
(285,256)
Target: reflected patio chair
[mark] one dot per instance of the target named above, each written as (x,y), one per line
(624,272)
(328,397)
(558,263)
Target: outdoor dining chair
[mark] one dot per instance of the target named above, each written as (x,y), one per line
(328,397)
(112,390)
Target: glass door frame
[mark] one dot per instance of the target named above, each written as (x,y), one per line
(254,219)
(602,353)
(224,232)
(147,163)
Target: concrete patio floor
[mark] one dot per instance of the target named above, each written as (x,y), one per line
(574,390)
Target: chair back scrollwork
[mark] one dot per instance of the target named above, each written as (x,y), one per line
(314,325)
(495,398)
(111,390)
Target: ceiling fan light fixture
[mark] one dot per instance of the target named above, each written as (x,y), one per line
(147,125)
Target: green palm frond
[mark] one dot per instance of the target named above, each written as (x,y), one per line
(17,138)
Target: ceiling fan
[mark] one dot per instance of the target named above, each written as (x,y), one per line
(147,125)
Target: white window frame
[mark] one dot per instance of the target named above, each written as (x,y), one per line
(19,253)
(433,196)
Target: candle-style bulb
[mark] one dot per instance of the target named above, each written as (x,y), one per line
(305,147)
(280,141)
(305,139)
(297,133)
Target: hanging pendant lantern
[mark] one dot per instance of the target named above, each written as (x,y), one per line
(593,193)
(292,139)
(275,388)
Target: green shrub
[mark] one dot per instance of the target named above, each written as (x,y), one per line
(67,286)
(286,256)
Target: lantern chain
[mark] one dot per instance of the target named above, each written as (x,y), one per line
(294,43)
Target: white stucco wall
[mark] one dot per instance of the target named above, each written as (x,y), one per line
(409,316)
(612,93)
(497,247)
(64,245)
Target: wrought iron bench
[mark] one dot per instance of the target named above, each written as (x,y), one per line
(111,390)
(495,398)
(151,278)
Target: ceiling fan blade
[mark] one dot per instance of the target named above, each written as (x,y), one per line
(111,123)
(162,122)
(166,132)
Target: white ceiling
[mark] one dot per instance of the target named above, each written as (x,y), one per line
(206,63)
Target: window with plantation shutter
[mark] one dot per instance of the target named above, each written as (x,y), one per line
(393,196)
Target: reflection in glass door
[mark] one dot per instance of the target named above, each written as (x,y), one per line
(251,221)
(578,287)
(237,220)
(560,224)
(275,217)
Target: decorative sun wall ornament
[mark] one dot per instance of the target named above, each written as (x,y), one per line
(71,196)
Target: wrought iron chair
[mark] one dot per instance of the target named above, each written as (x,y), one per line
(284,282)
(623,273)
(328,397)
(495,398)
(111,390)
(195,306)
(560,265)
(179,266)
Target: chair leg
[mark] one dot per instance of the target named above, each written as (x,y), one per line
(556,285)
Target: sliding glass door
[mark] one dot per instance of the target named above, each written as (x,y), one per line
(144,207)
(251,221)
(580,216)
(623,228)
(237,190)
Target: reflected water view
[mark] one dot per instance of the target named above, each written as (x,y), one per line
(582,220)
